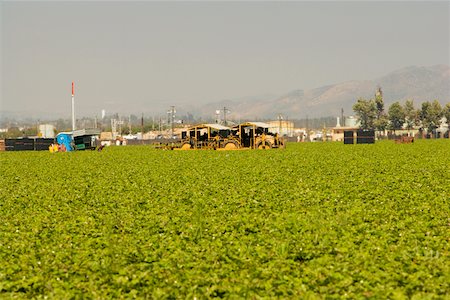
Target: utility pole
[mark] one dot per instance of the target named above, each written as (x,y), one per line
(307,127)
(142,126)
(225,111)
(113,127)
(218,116)
(160,123)
(120,125)
(171,114)
(173,118)
(289,129)
(280,119)
(102,125)
(129,124)
(168,118)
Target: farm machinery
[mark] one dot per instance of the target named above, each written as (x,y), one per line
(256,135)
(248,135)
(209,136)
(83,139)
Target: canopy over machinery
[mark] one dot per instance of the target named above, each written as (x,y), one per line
(248,135)
(208,136)
(256,135)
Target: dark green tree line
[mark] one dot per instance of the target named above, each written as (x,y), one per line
(371,114)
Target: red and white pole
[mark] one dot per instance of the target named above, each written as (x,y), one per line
(73,106)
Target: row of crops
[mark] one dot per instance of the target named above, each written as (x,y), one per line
(317,220)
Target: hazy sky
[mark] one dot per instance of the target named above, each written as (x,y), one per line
(145,56)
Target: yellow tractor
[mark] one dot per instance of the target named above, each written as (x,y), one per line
(209,136)
(256,135)
(248,135)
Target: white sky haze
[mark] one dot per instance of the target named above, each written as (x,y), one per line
(146,56)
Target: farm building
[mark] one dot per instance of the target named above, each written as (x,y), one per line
(337,133)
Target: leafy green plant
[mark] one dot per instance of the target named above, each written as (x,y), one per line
(317,220)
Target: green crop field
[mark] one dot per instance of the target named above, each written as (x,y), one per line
(317,220)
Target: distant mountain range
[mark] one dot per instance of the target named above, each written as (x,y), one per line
(417,83)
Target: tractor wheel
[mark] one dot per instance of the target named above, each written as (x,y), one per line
(231,146)
(264,145)
(186,146)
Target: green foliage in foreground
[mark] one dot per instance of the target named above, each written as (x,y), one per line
(318,220)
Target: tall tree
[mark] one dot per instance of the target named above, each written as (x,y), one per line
(446,113)
(379,101)
(431,115)
(366,111)
(381,120)
(411,114)
(381,123)
(396,116)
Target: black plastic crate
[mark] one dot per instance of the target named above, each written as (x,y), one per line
(22,144)
(42,144)
(348,137)
(365,137)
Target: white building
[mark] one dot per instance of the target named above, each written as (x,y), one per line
(47,131)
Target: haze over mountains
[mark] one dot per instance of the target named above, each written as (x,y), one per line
(417,83)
